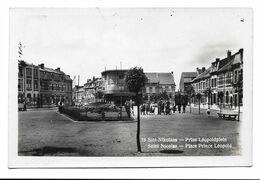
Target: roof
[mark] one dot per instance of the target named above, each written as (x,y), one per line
(189,74)
(203,75)
(161,78)
(114,70)
(66,77)
(223,65)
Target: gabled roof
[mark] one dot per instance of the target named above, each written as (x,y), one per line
(161,78)
(189,74)
(66,77)
(203,75)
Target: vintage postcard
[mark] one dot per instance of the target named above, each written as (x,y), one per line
(130,87)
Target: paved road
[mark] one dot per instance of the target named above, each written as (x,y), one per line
(49,133)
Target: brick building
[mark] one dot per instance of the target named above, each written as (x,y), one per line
(41,86)
(221,79)
(159,83)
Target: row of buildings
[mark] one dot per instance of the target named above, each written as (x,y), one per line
(217,84)
(111,87)
(40,86)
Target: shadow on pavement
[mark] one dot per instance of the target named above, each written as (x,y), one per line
(171,151)
(49,150)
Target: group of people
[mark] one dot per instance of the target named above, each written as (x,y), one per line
(163,108)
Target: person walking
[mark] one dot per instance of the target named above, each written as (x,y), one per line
(184,108)
(163,108)
(179,107)
(127,108)
(168,107)
(160,107)
(174,108)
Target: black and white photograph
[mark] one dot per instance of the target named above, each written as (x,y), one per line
(131,83)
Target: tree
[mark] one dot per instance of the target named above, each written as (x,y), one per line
(208,92)
(190,91)
(163,95)
(135,81)
(238,85)
(198,96)
(99,95)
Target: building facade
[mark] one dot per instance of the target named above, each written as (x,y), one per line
(78,95)
(28,83)
(157,84)
(41,86)
(186,78)
(217,84)
(91,92)
(115,88)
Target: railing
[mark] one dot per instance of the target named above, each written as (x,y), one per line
(94,114)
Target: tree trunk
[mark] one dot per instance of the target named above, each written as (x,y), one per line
(199,106)
(238,116)
(208,102)
(190,104)
(138,124)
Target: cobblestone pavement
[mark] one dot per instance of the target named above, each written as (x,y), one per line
(48,133)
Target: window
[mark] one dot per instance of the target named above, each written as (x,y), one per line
(35,73)
(221,80)
(28,71)
(153,89)
(29,83)
(147,89)
(20,73)
(235,77)
(150,89)
(20,85)
(36,84)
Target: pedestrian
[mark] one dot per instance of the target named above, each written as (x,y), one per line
(167,108)
(24,105)
(132,107)
(179,108)
(152,108)
(159,107)
(147,108)
(127,108)
(208,111)
(184,108)
(174,108)
(163,108)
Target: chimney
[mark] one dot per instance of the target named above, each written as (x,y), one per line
(58,69)
(41,66)
(198,70)
(203,69)
(217,60)
(229,53)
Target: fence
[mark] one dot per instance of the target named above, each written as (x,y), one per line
(95,114)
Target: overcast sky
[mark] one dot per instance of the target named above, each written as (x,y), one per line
(85,41)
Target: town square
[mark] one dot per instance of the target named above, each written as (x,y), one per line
(129,82)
